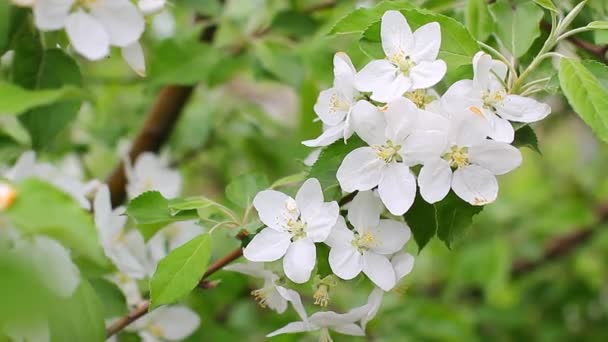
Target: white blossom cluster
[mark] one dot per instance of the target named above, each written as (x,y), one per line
(459,141)
(94,26)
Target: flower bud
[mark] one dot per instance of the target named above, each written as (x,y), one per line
(7,195)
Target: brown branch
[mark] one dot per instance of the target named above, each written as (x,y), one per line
(143,308)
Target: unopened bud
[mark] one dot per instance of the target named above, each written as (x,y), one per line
(7,195)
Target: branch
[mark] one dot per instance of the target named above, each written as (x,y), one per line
(143,308)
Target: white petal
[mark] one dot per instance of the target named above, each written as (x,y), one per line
(134,56)
(332,106)
(54,263)
(346,262)
(403,263)
(427,39)
(401,116)
(426,74)
(369,123)
(330,135)
(497,157)
(272,208)
(522,109)
(351,329)
(501,129)
(294,298)
(293,327)
(392,90)
(300,260)
(461,95)
(151,6)
(421,146)
(391,236)
(375,75)
(344,75)
(397,189)
(267,245)
(482,64)
(364,210)
(275,301)
(434,180)
(87,35)
(310,198)
(360,170)
(319,225)
(468,128)
(474,184)
(379,270)
(340,235)
(51,15)
(177,322)
(374,301)
(396,34)
(121,19)
(254,269)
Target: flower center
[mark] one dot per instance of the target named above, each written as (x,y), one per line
(419,97)
(297,229)
(388,152)
(457,156)
(88,3)
(155,330)
(338,104)
(403,62)
(261,296)
(322,289)
(364,242)
(491,99)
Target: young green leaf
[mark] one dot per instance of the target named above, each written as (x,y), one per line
(358,20)
(598,25)
(151,211)
(525,137)
(4,25)
(517,26)
(279,61)
(330,159)
(586,95)
(546,4)
(478,19)
(288,180)
(454,216)
(40,208)
(180,271)
(243,189)
(16,100)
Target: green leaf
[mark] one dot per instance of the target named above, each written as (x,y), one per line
(546,4)
(243,189)
(478,19)
(358,20)
(288,180)
(454,216)
(422,221)
(525,137)
(517,26)
(151,211)
(586,95)
(4,25)
(182,62)
(111,296)
(78,318)
(457,45)
(330,159)
(294,24)
(40,208)
(180,271)
(598,25)
(279,61)
(15,100)
(599,70)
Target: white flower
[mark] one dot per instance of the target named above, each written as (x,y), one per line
(167,323)
(487,95)
(150,172)
(125,249)
(151,6)
(404,136)
(336,105)
(411,60)
(26,167)
(92,25)
(133,54)
(469,164)
(270,295)
(292,228)
(369,247)
(171,237)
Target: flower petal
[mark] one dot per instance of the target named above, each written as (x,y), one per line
(421,146)
(403,263)
(177,322)
(134,56)
(426,74)
(253,269)
(379,270)
(344,75)
(364,210)
(51,15)
(296,301)
(121,19)
(267,245)
(293,327)
(54,263)
(482,64)
(272,209)
(495,156)
(151,6)
(319,226)
(300,260)
(434,180)
(87,35)
(522,109)
(330,135)
(369,123)
(427,39)
(393,89)
(391,235)
(474,184)
(501,129)
(340,235)
(375,75)
(396,35)
(351,329)
(345,261)
(397,189)
(332,106)
(310,198)
(360,170)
